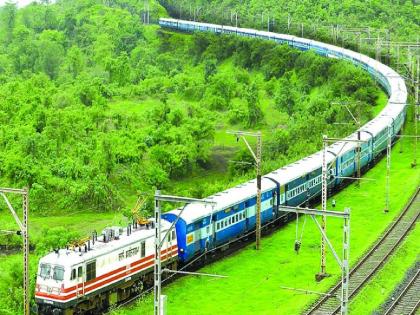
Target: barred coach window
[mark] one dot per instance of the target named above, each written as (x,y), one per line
(91,270)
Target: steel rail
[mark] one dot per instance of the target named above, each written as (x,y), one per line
(397,301)
(353,273)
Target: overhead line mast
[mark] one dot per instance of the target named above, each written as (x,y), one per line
(257,158)
(158,198)
(324,194)
(23,226)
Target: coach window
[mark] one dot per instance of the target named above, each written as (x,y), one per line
(143,249)
(73,274)
(91,270)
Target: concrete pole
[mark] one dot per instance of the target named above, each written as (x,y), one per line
(345,274)
(258,213)
(359,164)
(324,207)
(258,159)
(416,111)
(158,266)
(388,169)
(25,236)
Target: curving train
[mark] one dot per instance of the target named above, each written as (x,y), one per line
(118,264)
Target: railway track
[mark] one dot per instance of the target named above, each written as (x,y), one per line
(408,301)
(368,266)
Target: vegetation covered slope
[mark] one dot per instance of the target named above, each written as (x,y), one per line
(95,107)
(401,18)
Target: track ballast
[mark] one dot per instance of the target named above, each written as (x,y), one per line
(369,265)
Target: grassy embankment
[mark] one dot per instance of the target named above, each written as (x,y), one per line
(253,286)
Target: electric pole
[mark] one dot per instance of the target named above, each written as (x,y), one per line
(23,226)
(388,168)
(324,187)
(344,262)
(159,240)
(416,109)
(358,122)
(257,158)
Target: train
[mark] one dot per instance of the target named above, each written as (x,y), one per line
(117,264)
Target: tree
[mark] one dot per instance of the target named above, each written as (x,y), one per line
(119,69)
(8,20)
(255,114)
(210,68)
(108,157)
(51,51)
(283,97)
(75,61)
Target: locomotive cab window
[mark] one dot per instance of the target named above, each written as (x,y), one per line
(58,273)
(45,271)
(80,272)
(91,270)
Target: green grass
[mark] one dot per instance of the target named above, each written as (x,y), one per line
(131,106)
(253,286)
(83,222)
(379,289)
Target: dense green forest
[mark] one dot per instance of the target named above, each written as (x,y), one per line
(356,24)
(95,106)
(401,18)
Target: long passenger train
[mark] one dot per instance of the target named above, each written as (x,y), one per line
(119,263)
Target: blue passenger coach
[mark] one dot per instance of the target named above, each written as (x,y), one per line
(201,228)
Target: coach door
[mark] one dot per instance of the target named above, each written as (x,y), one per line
(80,286)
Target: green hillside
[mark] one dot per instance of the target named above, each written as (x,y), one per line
(96,107)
